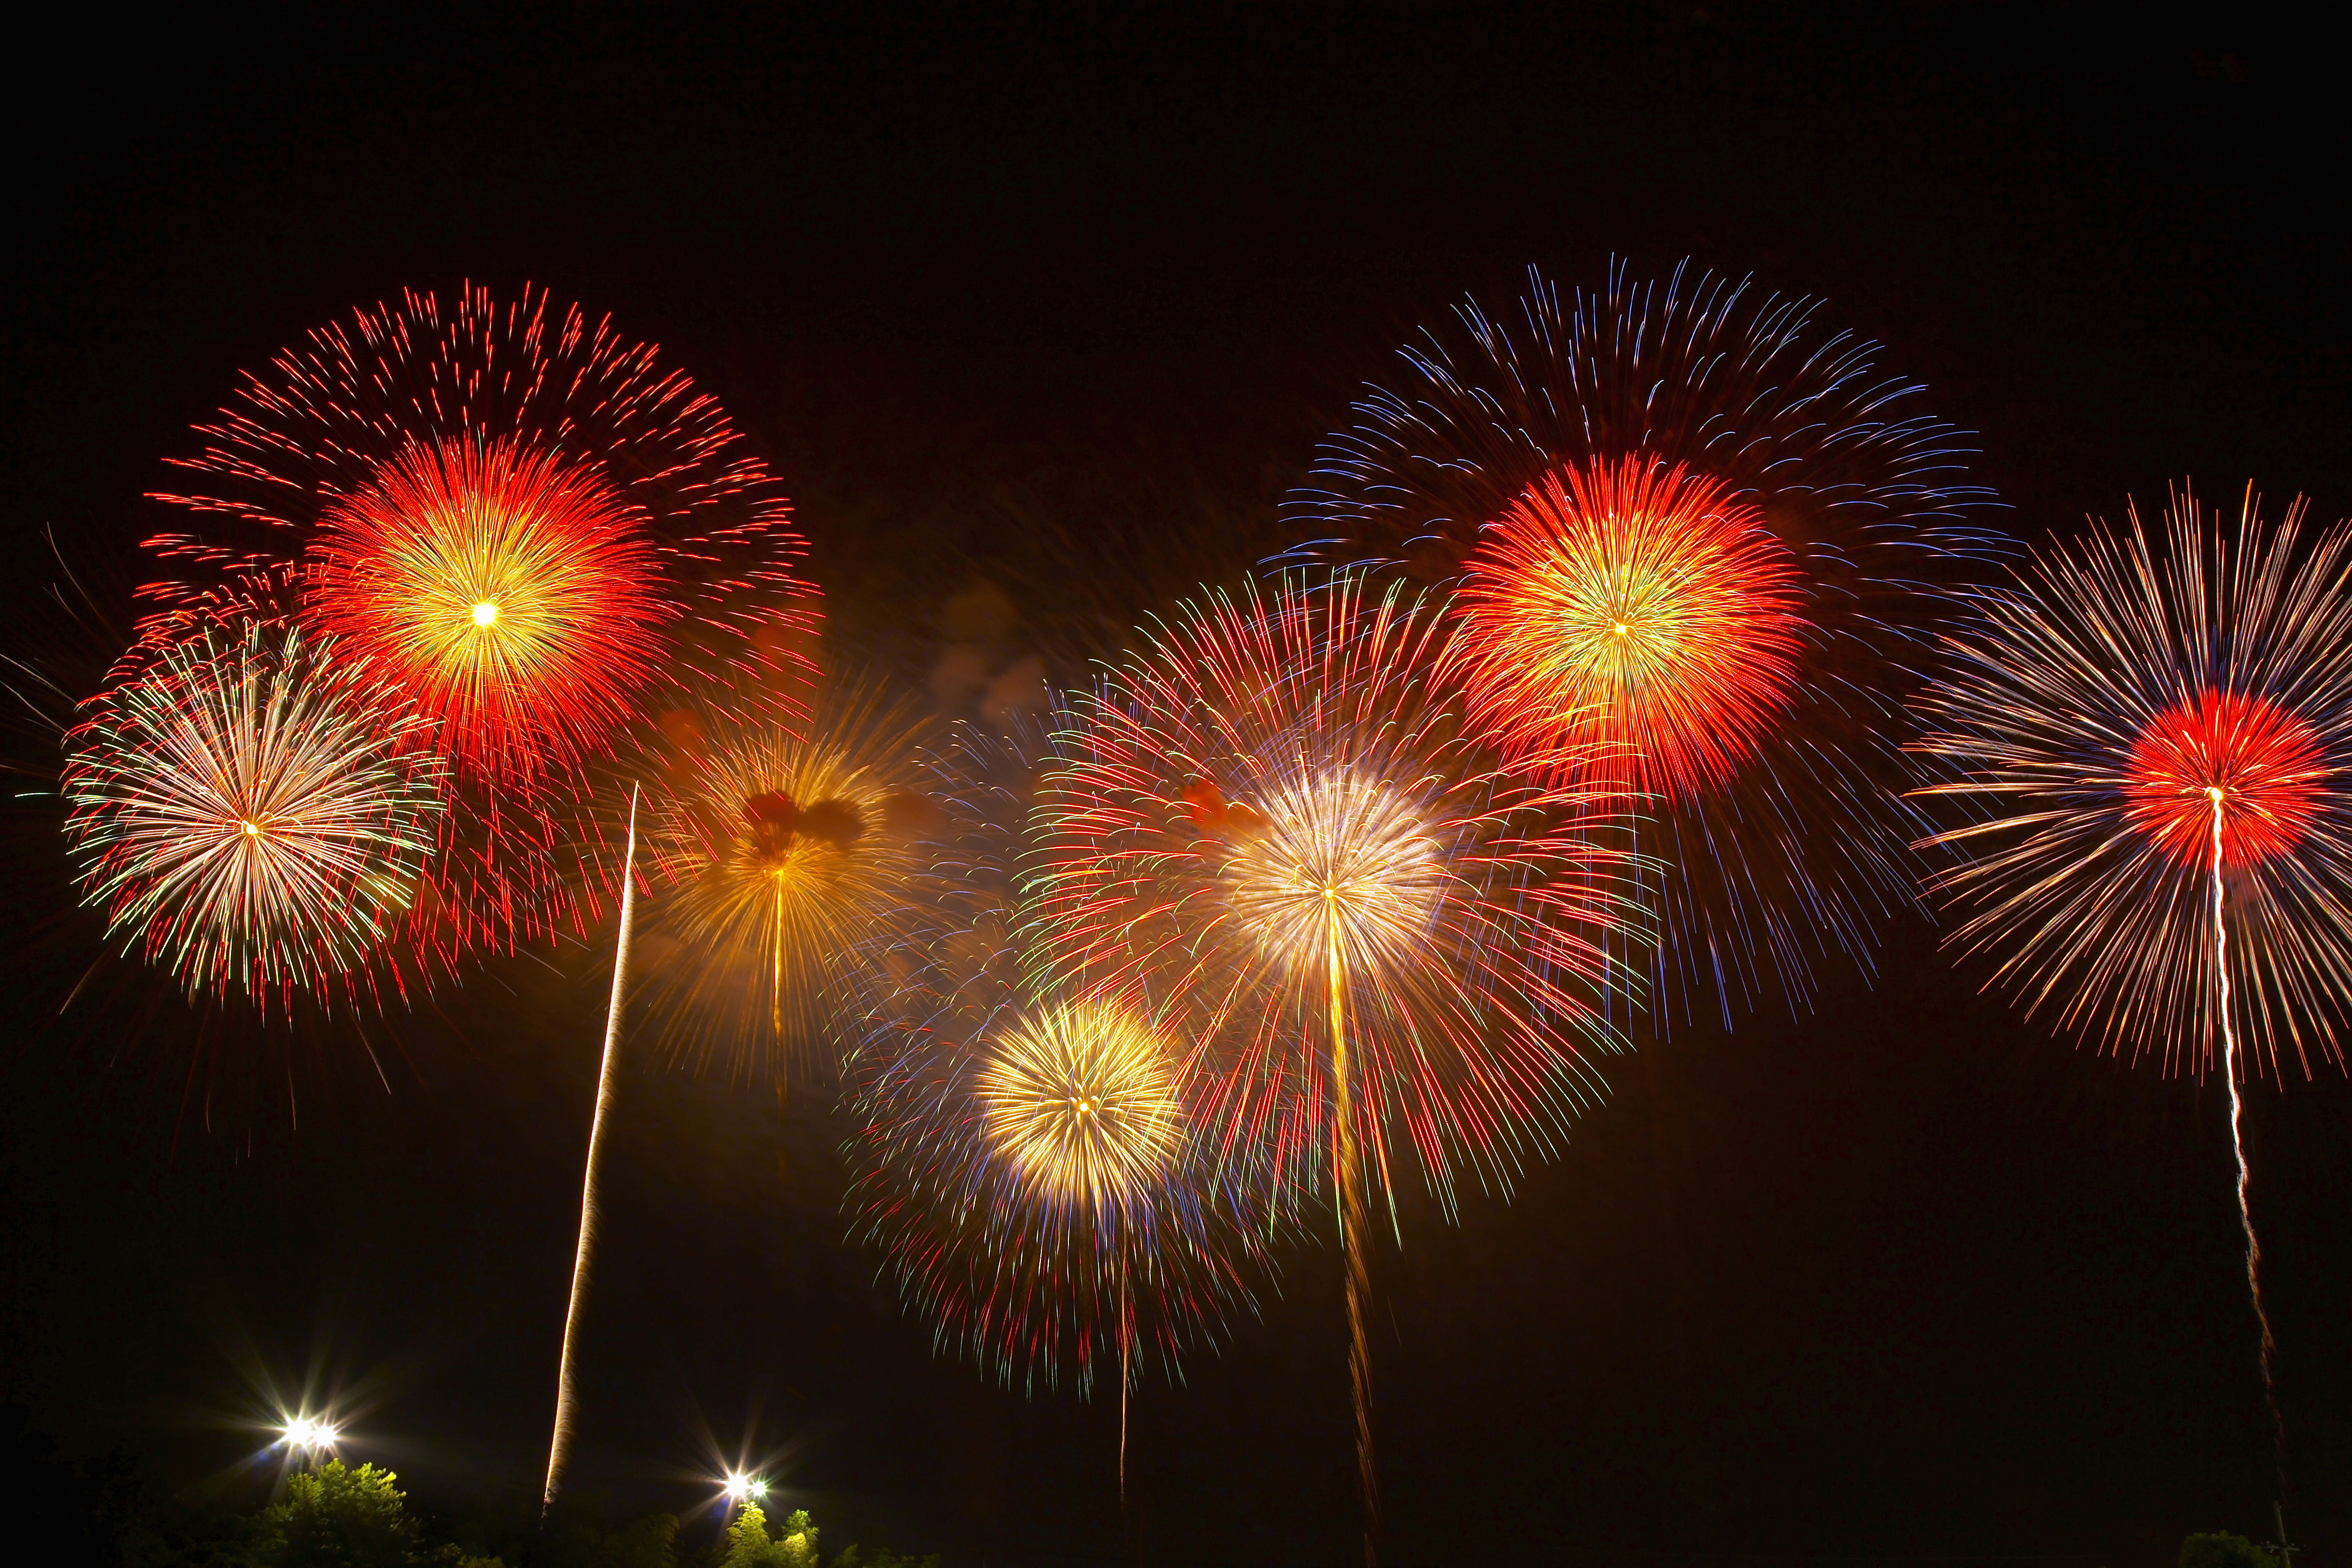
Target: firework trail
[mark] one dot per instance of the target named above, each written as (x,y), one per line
(2157,729)
(1029,1168)
(559,1449)
(791,864)
(1690,523)
(255,811)
(539,526)
(1382,948)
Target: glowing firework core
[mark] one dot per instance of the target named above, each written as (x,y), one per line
(516,597)
(1331,855)
(1641,608)
(1081,1100)
(2224,756)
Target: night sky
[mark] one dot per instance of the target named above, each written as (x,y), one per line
(1039,314)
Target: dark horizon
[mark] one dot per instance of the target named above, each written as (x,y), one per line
(1039,318)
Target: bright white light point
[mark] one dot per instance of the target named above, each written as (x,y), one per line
(485,613)
(252,828)
(302,1432)
(1619,627)
(741,1488)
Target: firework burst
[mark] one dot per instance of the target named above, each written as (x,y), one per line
(2094,714)
(1770,520)
(1079,1103)
(517,600)
(1636,613)
(530,519)
(1029,1168)
(1383,949)
(792,862)
(2158,732)
(255,811)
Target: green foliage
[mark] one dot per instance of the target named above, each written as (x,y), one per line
(749,1544)
(337,1518)
(883,1557)
(2223,1551)
(580,1534)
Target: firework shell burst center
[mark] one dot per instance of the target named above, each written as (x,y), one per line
(2264,767)
(518,597)
(1330,856)
(1636,609)
(1081,1100)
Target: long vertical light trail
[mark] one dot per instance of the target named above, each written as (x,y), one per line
(2238,1144)
(1344,1176)
(560,1446)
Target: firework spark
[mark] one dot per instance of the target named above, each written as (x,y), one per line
(2157,731)
(533,520)
(1384,948)
(1769,520)
(789,859)
(255,809)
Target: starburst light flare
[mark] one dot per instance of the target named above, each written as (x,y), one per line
(1384,949)
(2156,727)
(255,810)
(1776,527)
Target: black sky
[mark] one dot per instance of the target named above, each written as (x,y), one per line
(1059,301)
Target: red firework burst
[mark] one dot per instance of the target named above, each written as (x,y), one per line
(2238,750)
(542,529)
(516,597)
(1633,612)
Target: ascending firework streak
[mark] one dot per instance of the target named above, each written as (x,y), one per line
(2160,732)
(1701,545)
(255,809)
(1379,946)
(560,1446)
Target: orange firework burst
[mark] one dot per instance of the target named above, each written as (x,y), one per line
(1636,610)
(2225,748)
(515,595)
(792,862)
